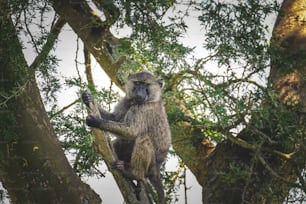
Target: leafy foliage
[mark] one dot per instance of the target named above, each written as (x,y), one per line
(75,136)
(238,32)
(155,35)
(78,141)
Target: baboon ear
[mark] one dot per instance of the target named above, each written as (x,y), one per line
(161,83)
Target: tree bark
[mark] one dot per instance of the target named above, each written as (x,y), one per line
(34,168)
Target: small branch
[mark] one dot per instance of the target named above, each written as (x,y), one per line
(284,155)
(242,143)
(185,184)
(17,91)
(100,172)
(109,93)
(261,134)
(65,108)
(178,77)
(29,32)
(76,60)
(272,172)
(88,67)
(240,80)
(54,32)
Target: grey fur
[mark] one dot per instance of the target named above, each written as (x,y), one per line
(142,130)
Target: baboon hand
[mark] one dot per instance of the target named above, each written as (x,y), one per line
(87,98)
(94,121)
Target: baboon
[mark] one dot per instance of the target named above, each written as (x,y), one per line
(143,135)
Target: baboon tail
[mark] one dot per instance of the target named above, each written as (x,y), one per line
(158,186)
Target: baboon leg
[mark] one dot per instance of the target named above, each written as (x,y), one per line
(155,180)
(141,157)
(124,168)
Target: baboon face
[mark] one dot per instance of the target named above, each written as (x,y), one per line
(143,87)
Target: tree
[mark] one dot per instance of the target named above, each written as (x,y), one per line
(240,129)
(34,167)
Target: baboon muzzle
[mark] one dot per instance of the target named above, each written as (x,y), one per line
(140,94)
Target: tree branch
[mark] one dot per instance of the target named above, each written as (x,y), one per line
(88,67)
(55,30)
(95,34)
(109,9)
(65,108)
(273,173)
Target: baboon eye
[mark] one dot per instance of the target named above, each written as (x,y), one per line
(147,91)
(137,82)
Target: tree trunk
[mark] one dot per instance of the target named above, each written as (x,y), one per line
(34,168)
(268,166)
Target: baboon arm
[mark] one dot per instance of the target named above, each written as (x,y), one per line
(120,129)
(120,109)
(119,112)
(106,115)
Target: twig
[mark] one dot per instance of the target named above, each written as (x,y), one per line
(14,93)
(29,32)
(272,172)
(88,71)
(76,60)
(254,147)
(54,32)
(65,108)
(109,94)
(241,142)
(185,184)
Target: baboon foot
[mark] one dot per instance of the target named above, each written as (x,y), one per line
(120,165)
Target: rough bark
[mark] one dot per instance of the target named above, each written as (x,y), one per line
(34,168)
(288,75)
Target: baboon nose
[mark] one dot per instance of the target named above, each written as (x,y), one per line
(139,99)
